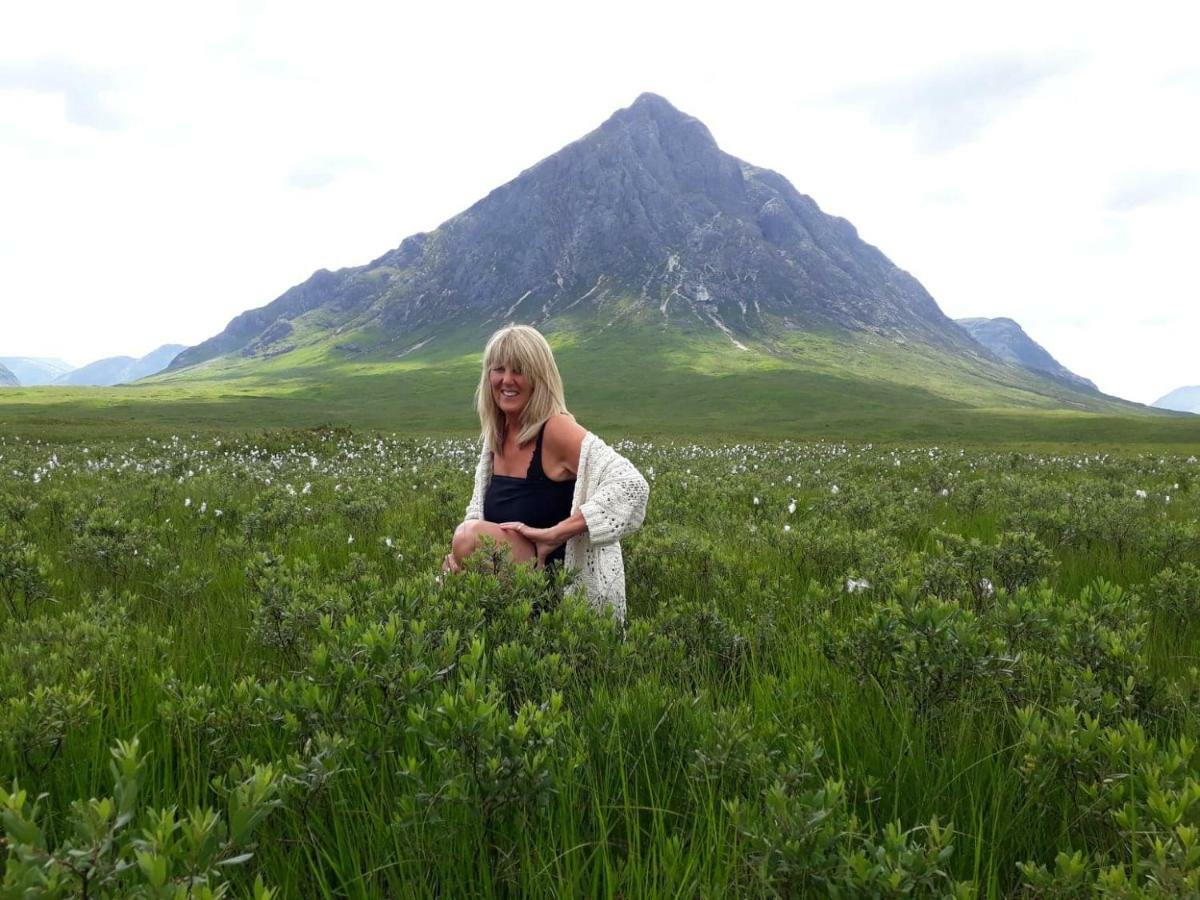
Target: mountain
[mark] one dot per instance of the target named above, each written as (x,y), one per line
(1184,399)
(649,257)
(154,361)
(121,369)
(645,208)
(35,370)
(1008,340)
(7,378)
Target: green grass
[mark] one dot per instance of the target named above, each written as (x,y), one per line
(730,618)
(628,379)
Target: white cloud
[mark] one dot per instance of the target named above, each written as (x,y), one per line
(1150,188)
(953,104)
(81,91)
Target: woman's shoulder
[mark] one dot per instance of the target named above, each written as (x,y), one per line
(562,428)
(564,439)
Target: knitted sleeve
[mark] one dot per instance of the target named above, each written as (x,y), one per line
(482,473)
(617,504)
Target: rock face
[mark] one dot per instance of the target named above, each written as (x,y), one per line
(646,215)
(121,369)
(1184,399)
(34,370)
(1008,340)
(7,378)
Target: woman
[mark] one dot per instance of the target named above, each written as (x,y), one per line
(551,490)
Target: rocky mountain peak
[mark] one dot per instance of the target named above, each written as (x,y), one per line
(654,116)
(645,214)
(653,139)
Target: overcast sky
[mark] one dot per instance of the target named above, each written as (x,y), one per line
(161,172)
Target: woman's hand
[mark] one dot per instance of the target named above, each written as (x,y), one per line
(449,563)
(544,540)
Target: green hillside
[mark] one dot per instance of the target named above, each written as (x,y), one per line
(628,378)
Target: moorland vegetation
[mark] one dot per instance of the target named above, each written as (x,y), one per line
(230,666)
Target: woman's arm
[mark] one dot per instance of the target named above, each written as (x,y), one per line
(618,505)
(482,471)
(547,540)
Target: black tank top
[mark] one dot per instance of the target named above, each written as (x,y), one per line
(534,499)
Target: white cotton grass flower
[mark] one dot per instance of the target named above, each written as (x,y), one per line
(986,588)
(945,492)
(791,506)
(187,501)
(350,539)
(756,501)
(854,585)
(203,507)
(1140,494)
(835,490)
(787,527)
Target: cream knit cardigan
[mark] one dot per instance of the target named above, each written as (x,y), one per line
(612,496)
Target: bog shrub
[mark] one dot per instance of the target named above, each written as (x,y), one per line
(117,846)
(1175,592)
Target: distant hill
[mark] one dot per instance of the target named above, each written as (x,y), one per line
(35,370)
(121,369)
(1008,340)
(7,378)
(1184,399)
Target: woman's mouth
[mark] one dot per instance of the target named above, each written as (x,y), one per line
(504,393)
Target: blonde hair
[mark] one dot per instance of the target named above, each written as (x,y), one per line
(523,349)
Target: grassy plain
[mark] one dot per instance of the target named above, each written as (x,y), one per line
(888,672)
(621,381)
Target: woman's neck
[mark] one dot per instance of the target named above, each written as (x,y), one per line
(512,429)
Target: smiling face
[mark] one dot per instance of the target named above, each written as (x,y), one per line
(519,386)
(511,389)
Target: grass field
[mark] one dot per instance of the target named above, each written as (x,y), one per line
(625,381)
(916,671)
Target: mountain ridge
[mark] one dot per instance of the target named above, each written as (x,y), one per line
(1009,341)
(120,369)
(1183,399)
(35,370)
